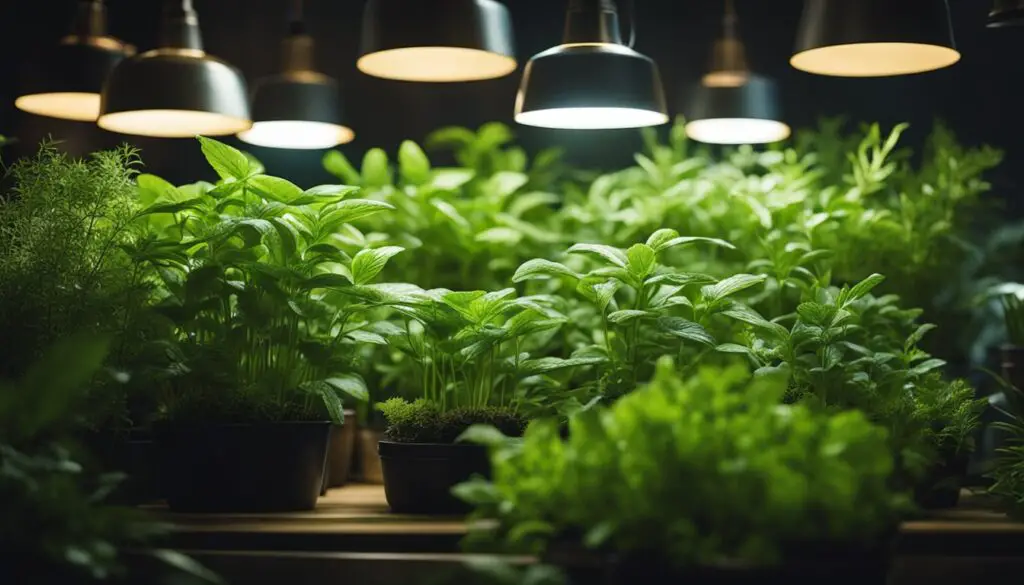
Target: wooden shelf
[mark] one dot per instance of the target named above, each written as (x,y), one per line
(356,519)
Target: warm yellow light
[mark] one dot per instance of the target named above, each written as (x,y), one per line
(295,134)
(173,123)
(875,59)
(737,131)
(591,118)
(83,107)
(436,64)
(725,79)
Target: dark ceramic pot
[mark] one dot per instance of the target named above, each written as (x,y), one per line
(340,448)
(368,461)
(272,467)
(418,477)
(940,488)
(130,453)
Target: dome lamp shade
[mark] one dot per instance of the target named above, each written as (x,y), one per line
(68,81)
(177,90)
(1006,13)
(438,41)
(731,105)
(299,108)
(592,80)
(875,38)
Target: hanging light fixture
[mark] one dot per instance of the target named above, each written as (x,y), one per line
(68,81)
(592,80)
(177,90)
(1006,13)
(437,41)
(875,38)
(731,105)
(298,108)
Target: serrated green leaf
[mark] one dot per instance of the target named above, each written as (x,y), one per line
(540,268)
(367,264)
(628,316)
(449,211)
(641,261)
(551,364)
(610,254)
(376,172)
(351,210)
(730,286)
(274,188)
(862,288)
(228,162)
(684,329)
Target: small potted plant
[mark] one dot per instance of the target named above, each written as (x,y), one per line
(255,280)
(470,356)
(708,478)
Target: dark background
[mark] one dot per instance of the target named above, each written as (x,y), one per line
(979,97)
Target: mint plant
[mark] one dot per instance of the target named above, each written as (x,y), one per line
(642,309)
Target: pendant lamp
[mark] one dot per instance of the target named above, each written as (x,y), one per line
(300,107)
(592,80)
(1006,13)
(730,105)
(68,81)
(437,40)
(177,90)
(875,38)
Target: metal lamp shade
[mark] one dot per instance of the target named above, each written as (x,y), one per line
(591,86)
(874,38)
(298,111)
(437,41)
(68,81)
(748,113)
(175,93)
(1006,13)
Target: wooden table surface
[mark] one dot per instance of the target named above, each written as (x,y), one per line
(356,519)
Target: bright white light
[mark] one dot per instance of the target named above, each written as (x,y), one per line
(436,64)
(874,59)
(80,106)
(295,134)
(173,123)
(592,118)
(737,131)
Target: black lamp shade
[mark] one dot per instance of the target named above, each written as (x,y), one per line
(68,81)
(874,38)
(175,93)
(591,86)
(749,113)
(297,110)
(437,41)
(1006,13)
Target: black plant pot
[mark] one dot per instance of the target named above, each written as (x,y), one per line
(340,448)
(813,566)
(130,453)
(940,488)
(418,477)
(271,467)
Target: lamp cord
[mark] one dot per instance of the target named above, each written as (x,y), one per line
(632,23)
(730,19)
(297,18)
(949,21)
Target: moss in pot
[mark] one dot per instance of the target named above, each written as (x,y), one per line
(708,478)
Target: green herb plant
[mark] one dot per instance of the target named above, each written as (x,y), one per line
(254,274)
(641,308)
(760,478)
(475,361)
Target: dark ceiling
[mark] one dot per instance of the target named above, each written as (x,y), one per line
(979,97)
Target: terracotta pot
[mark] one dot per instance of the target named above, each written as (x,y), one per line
(369,461)
(339,452)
